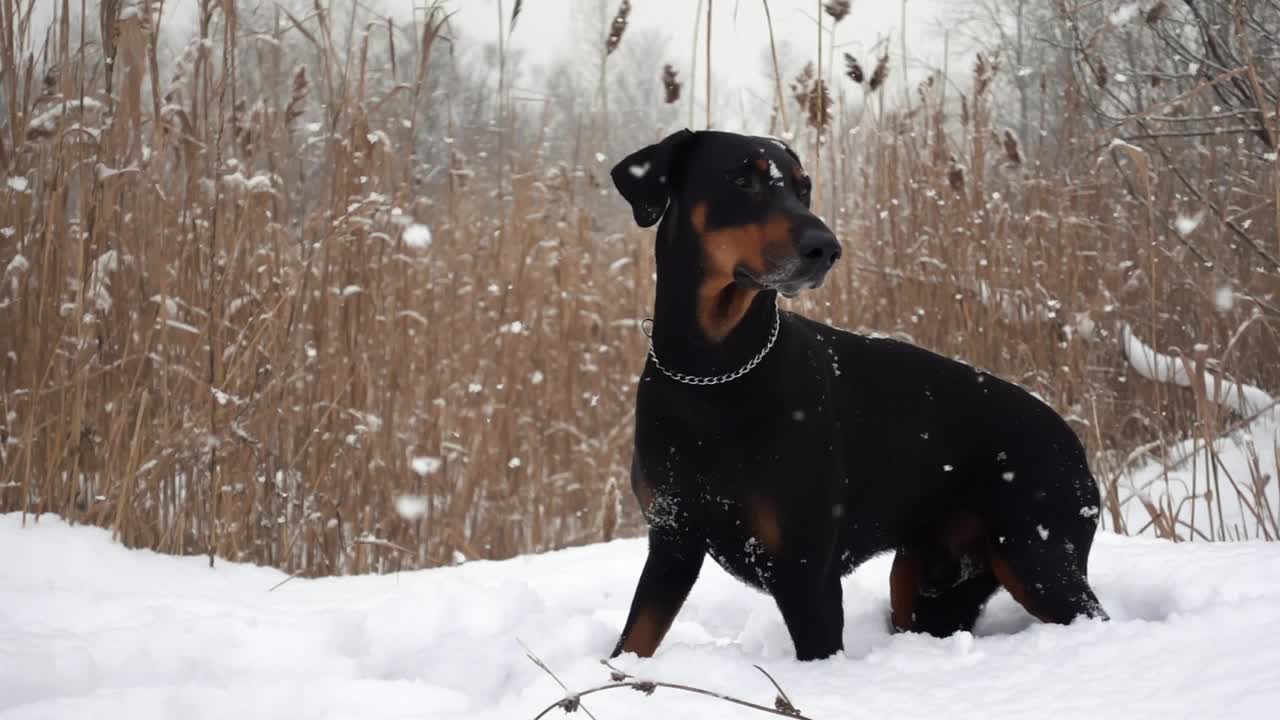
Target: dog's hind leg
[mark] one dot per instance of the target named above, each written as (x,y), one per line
(921,603)
(1039,543)
(1047,578)
(670,571)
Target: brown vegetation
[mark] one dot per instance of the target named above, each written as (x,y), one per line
(252,299)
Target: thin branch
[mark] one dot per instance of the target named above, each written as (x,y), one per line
(573,701)
(577,704)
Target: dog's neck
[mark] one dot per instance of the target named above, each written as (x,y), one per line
(700,328)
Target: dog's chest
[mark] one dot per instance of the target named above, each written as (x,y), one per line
(733,507)
(744,533)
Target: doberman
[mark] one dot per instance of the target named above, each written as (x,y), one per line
(791,452)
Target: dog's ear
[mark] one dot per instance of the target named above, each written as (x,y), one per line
(645,177)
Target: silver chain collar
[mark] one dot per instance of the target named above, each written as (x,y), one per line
(727,377)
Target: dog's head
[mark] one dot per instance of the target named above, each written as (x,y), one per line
(745,199)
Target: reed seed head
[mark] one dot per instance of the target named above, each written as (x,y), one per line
(880,74)
(670,84)
(837,9)
(617,27)
(852,69)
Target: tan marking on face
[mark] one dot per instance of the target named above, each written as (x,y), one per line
(904,588)
(721,301)
(698,217)
(646,634)
(762,164)
(764,523)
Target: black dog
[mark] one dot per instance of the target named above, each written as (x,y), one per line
(792,452)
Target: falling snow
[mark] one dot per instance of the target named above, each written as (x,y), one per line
(417,236)
(411,507)
(1187,224)
(425,465)
(1224,298)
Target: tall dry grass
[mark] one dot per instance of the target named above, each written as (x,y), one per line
(223,330)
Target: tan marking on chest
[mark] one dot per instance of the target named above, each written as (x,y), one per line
(722,303)
(764,523)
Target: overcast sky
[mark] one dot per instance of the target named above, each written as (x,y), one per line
(736,25)
(739,29)
(551,28)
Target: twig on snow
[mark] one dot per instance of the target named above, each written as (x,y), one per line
(573,701)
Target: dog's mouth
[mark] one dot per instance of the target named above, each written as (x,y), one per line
(789,277)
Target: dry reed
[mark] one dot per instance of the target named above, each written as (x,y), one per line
(252,308)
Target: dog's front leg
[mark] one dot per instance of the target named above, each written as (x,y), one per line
(669,573)
(812,607)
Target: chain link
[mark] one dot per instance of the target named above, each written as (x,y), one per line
(727,377)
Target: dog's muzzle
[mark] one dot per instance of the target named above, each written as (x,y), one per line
(816,252)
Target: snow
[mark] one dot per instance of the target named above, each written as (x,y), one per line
(102,172)
(17,183)
(46,121)
(1125,14)
(91,629)
(425,465)
(17,266)
(1224,299)
(260,183)
(411,507)
(639,171)
(100,279)
(1187,224)
(775,175)
(417,236)
(1225,489)
(1244,399)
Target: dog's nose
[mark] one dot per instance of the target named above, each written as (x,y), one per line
(818,245)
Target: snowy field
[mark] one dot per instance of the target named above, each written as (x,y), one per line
(89,629)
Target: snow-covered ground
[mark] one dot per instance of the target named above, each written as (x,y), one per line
(89,629)
(1240,474)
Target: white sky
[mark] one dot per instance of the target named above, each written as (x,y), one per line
(548,29)
(739,29)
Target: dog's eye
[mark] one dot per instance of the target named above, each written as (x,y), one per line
(804,186)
